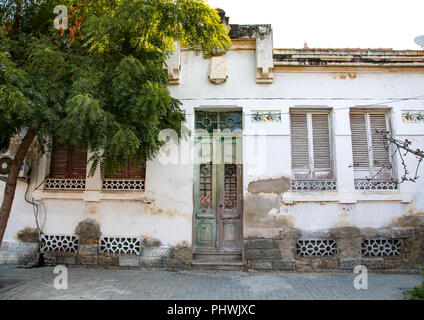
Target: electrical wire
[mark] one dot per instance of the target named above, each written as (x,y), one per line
(336,109)
(34,209)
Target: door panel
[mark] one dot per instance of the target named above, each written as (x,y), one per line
(205,194)
(218,187)
(230,196)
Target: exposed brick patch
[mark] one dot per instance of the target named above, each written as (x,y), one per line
(279,253)
(88,232)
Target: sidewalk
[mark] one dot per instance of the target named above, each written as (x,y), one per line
(85,283)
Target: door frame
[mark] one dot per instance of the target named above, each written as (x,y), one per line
(218,233)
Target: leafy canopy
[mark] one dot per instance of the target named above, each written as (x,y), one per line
(105,89)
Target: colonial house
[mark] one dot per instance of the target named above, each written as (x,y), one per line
(284,169)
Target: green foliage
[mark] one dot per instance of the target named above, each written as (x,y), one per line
(418,292)
(106,90)
(149,28)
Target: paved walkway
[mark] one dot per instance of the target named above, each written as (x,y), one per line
(86,283)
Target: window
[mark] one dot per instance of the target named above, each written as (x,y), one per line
(130,171)
(311,146)
(131,177)
(68,168)
(371,156)
(210,121)
(68,162)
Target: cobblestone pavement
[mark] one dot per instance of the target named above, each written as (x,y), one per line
(87,283)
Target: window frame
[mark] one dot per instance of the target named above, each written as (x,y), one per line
(70,156)
(373,172)
(125,175)
(313,173)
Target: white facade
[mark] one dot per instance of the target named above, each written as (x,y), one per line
(164,211)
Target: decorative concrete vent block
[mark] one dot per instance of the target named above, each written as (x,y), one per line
(59,243)
(65,184)
(375,185)
(112,245)
(111,184)
(381,247)
(316,248)
(311,185)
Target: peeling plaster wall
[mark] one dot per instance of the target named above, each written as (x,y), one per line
(298,84)
(21,216)
(266,154)
(266,147)
(166,213)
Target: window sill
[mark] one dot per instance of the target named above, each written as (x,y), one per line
(347,197)
(94,196)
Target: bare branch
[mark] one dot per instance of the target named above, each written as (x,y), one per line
(403,148)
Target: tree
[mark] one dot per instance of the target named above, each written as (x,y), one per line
(404,148)
(98,84)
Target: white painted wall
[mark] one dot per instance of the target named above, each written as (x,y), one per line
(169,188)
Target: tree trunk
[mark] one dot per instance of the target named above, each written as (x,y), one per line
(17,21)
(9,191)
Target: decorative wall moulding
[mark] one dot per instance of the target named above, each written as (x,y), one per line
(266,116)
(413,116)
(264,55)
(173,65)
(218,69)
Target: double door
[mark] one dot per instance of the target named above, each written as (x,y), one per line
(218,193)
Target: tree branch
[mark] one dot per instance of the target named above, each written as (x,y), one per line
(403,148)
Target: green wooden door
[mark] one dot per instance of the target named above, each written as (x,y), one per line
(218,188)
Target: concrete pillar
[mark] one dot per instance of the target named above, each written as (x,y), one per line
(93,185)
(343,155)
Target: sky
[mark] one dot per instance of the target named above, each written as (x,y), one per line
(333,23)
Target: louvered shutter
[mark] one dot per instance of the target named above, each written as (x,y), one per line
(136,171)
(379,144)
(358,129)
(321,142)
(78,163)
(130,171)
(121,174)
(59,161)
(299,141)
(67,162)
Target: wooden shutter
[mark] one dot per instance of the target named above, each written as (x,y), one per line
(321,138)
(299,141)
(358,129)
(68,162)
(136,171)
(130,171)
(78,163)
(59,161)
(380,150)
